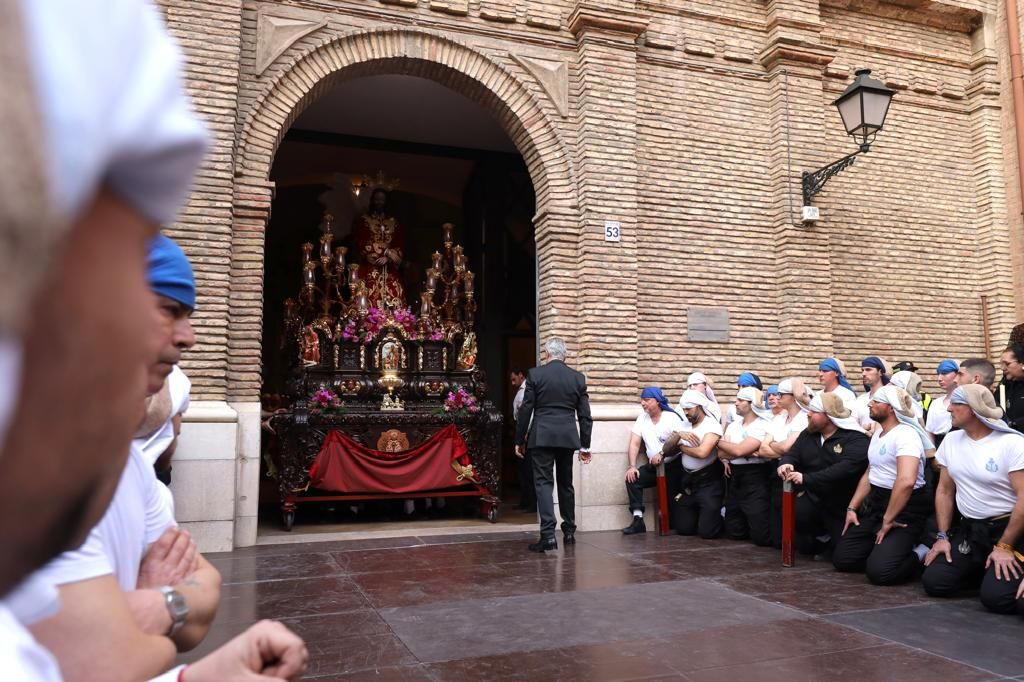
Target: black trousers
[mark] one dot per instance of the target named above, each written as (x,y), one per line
(547,464)
(748,503)
(967,570)
(700,503)
(648,478)
(813,519)
(894,560)
(527,492)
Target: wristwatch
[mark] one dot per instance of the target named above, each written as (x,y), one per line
(176,606)
(942,535)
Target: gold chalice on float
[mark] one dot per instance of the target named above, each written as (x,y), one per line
(390,381)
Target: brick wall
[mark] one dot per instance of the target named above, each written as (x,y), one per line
(687,121)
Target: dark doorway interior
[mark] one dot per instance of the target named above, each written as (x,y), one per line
(486,193)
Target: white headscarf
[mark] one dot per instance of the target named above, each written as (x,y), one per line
(902,406)
(837,412)
(909,382)
(692,398)
(712,409)
(753,396)
(981,402)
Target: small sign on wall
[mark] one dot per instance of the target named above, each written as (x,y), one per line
(707,324)
(612,231)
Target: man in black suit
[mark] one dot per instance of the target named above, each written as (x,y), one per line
(556,396)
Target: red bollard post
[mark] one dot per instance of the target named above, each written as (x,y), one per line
(662,502)
(788,523)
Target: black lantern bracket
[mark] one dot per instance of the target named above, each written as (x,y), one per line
(814,181)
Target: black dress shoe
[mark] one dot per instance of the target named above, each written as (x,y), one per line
(638,526)
(569,538)
(544,545)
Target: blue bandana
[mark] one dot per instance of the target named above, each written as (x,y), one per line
(169,272)
(748,379)
(655,392)
(830,365)
(947,366)
(876,362)
(771,390)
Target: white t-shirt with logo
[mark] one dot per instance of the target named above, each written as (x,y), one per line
(138,515)
(981,471)
(901,441)
(655,435)
(940,421)
(707,425)
(739,432)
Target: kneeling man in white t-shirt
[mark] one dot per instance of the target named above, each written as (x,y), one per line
(983,475)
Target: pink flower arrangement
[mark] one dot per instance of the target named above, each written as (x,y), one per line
(460,402)
(326,400)
(366,329)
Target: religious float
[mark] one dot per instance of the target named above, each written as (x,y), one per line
(385,403)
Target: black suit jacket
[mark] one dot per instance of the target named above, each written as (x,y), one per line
(556,396)
(831,469)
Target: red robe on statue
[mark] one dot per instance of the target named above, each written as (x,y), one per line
(375,234)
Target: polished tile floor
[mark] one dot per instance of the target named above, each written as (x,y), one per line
(480,607)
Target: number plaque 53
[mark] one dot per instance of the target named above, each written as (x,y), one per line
(612,231)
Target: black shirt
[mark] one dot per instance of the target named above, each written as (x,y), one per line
(831,469)
(1014,407)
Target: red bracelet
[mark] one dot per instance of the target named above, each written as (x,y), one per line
(181,674)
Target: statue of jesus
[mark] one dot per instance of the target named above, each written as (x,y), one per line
(379,241)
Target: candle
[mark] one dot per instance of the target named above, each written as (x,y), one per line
(353,274)
(436,257)
(309,274)
(425,303)
(468,278)
(447,229)
(325,246)
(307,252)
(339,260)
(432,279)
(362,302)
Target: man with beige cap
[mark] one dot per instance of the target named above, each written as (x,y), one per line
(825,463)
(983,476)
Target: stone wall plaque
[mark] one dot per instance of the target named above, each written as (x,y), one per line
(707,324)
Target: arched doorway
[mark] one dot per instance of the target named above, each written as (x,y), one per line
(269,160)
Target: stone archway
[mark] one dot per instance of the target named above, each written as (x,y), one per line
(311,73)
(409,52)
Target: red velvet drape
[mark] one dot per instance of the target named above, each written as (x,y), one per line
(345,466)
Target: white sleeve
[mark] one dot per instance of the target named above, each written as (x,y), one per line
(908,444)
(942,455)
(715,427)
(1014,455)
(85,563)
(637,430)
